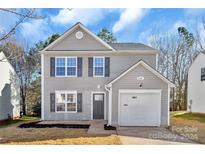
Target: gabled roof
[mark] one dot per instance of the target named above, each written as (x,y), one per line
(141,62)
(69,31)
(131,46)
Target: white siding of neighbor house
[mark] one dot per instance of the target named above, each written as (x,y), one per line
(196,87)
(9,90)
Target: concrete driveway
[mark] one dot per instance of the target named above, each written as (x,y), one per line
(150,135)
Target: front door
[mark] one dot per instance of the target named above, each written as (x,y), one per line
(98,105)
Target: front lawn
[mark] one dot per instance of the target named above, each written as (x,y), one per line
(101,140)
(18,121)
(191,125)
(10,133)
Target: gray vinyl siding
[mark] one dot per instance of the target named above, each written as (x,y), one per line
(86,43)
(151,81)
(85,85)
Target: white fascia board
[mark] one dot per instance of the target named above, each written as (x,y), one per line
(126,52)
(147,67)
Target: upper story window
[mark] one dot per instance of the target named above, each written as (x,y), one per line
(99,66)
(71,66)
(203,74)
(66,66)
(60,66)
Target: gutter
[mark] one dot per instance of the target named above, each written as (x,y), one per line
(109,90)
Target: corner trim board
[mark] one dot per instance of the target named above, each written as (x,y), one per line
(42,87)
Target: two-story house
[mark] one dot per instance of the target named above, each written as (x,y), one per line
(85,78)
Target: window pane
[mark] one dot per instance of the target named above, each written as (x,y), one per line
(99,71)
(71,61)
(60,98)
(99,62)
(60,71)
(71,71)
(98,97)
(71,106)
(61,107)
(70,98)
(60,62)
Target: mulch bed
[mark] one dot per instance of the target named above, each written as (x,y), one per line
(37,125)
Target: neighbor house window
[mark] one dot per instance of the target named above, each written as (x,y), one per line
(66,66)
(66,101)
(203,74)
(99,66)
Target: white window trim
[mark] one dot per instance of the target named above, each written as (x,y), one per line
(66,66)
(66,92)
(95,66)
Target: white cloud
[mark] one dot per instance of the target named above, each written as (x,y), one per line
(35,30)
(179,24)
(86,16)
(127,18)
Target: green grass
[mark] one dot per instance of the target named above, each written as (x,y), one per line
(174,113)
(7,123)
(192,116)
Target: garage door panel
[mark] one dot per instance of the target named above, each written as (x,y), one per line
(139,109)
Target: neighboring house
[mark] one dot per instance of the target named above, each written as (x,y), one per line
(9,90)
(84,78)
(196,85)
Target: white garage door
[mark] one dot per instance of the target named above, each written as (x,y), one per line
(139,107)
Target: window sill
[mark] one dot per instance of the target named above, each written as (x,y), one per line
(66,112)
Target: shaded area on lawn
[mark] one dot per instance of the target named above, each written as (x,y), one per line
(191,125)
(6,123)
(192,116)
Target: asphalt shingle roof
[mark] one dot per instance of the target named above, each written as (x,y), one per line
(130,46)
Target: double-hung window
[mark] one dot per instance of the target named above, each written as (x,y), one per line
(203,74)
(66,101)
(60,66)
(66,66)
(71,66)
(99,66)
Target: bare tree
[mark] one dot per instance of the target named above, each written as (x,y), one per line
(22,15)
(200,37)
(176,56)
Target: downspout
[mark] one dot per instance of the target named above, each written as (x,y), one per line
(109,89)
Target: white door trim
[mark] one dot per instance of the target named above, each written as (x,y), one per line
(138,91)
(105,110)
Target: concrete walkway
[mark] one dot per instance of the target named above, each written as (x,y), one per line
(97,127)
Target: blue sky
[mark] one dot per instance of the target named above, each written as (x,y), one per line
(128,25)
